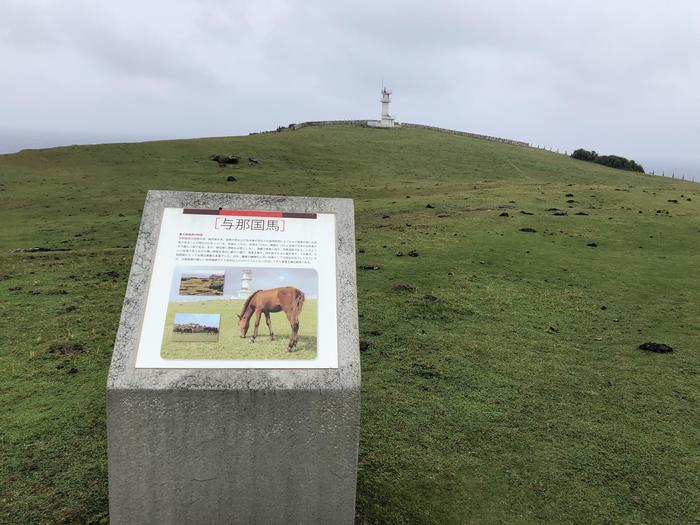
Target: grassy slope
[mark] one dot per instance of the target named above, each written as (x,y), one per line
(473,409)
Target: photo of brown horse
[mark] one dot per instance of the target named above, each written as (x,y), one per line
(288,299)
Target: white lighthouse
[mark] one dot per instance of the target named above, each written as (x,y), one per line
(387,121)
(246,277)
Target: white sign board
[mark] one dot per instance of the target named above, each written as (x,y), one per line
(241,289)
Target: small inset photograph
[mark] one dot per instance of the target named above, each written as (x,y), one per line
(196,328)
(201,283)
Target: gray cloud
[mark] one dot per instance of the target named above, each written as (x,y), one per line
(620,77)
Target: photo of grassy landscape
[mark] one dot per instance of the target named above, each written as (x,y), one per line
(198,284)
(502,380)
(230,346)
(195,328)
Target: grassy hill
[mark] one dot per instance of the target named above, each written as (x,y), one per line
(502,382)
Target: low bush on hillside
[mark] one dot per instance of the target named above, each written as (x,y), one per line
(612,161)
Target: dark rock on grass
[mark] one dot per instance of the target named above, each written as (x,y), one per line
(442,215)
(525,212)
(67,348)
(413,253)
(41,249)
(361,250)
(230,178)
(569,195)
(675,201)
(404,287)
(560,213)
(570,201)
(4,277)
(223,160)
(56,292)
(253,160)
(592,244)
(528,230)
(364,345)
(504,214)
(109,276)
(501,206)
(376,333)
(554,328)
(70,308)
(73,370)
(603,307)
(370,267)
(399,254)
(552,209)
(430,206)
(385,216)
(656,347)
(581,213)
(430,298)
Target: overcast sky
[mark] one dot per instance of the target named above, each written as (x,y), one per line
(617,76)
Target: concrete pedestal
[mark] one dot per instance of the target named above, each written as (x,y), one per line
(229,446)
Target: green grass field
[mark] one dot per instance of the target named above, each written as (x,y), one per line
(516,395)
(230,345)
(192,338)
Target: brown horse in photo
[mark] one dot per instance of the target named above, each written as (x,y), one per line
(287,299)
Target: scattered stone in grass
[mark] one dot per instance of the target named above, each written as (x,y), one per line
(4,277)
(640,211)
(370,267)
(399,254)
(506,206)
(364,345)
(430,298)
(385,216)
(603,307)
(56,292)
(376,333)
(570,201)
(429,206)
(35,249)
(72,370)
(528,230)
(70,308)
(413,253)
(442,215)
(592,244)
(616,320)
(581,213)
(689,199)
(230,178)
(675,201)
(504,214)
(656,347)
(554,328)
(450,273)
(404,287)
(552,209)
(67,348)
(560,213)
(253,160)
(525,212)
(110,275)
(569,195)
(361,250)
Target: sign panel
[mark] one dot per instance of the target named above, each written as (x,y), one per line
(241,289)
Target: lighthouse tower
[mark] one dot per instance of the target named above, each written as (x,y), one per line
(387,121)
(246,277)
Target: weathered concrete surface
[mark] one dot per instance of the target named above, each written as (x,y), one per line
(234,445)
